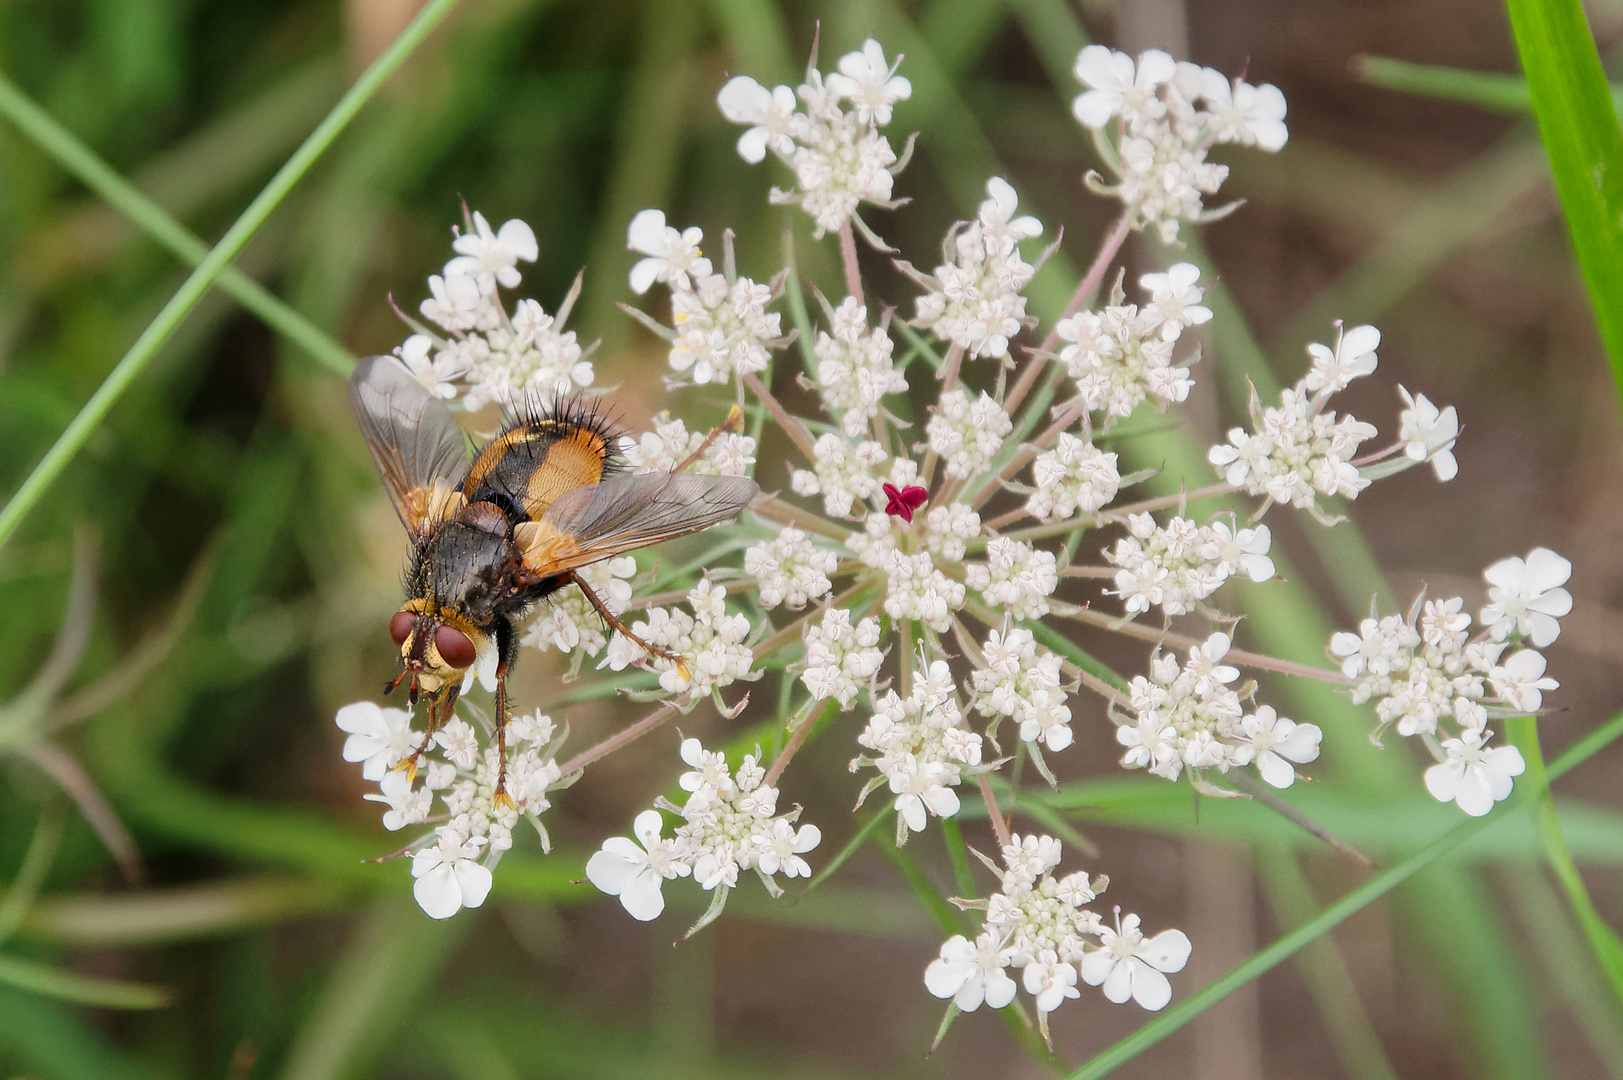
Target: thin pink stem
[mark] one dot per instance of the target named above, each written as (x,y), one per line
(1164,501)
(848,255)
(791,427)
(1090,281)
(795,741)
(1029,451)
(999,826)
(618,739)
(1238,656)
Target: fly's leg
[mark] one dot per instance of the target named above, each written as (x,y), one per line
(440,706)
(503,799)
(614,623)
(734,422)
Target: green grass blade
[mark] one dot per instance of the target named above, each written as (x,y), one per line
(78,159)
(214,263)
(1495,91)
(1579,125)
(1603,940)
(1285,947)
(53,982)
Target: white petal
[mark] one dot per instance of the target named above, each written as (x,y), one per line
(642,899)
(519,238)
(1301,745)
(438,893)
(648,826)
(743,100)
(360,718)
(999,989)
(1095,108)
(610,869)
(1096,966)
(647,233)
(645,273)
(752,144)
(1360,340)
(1474,796)
(1275,769)
(1150,988)
(1167,951)
(1443,780)
(474,880)
(1118,985)
(1546,570)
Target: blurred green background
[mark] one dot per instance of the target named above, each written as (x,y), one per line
(245,562)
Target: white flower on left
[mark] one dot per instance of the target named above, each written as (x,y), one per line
(378,737)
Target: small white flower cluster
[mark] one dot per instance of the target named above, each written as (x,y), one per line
(967,434)
(1299,451)
(1179,564)
(495,358)
(723,326)
(843,472)
(452,863)
(1123,356)
(671,443)
(730,823)
(790,570)
(567,621)
(1041,926)
(1075,476)
(841,658)
(1170,114)
(839,158)
(1190,717)
(922,748)
(973,299)
(1016,576)
(854,368)
(710,642)
(1022,681)
(1427,668)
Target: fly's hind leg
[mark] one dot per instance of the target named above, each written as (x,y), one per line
(615,624)
(503,799)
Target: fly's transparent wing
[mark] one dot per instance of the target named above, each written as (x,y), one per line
(628,512)
(421,453)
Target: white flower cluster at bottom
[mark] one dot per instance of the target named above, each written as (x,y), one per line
(1040,926)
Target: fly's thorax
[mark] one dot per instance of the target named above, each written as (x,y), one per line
(468,563)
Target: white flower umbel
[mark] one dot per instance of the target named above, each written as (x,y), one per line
(1022,681)
(1298,451)
(1123,355)
(670,444)
(966,434)
(1427,672)
(841,658)
(711,642)
(729,824)
(973,300)
(790,570)
(379,738)
(1016,577)
(922,748)
(854,368)
(1167,115)
(1186,717)
(1074,477)
(495,357)
(839,158)
(1176,566)
(669,256)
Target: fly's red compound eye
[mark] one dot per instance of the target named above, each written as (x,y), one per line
(454,647)
(401,625)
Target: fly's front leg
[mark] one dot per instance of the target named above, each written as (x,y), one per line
(614,623)
(440,706)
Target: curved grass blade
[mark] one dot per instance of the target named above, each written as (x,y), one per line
(77,158)
(67,446)
(1579,124)
(53,982)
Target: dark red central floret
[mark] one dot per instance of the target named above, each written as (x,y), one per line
(901,503)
